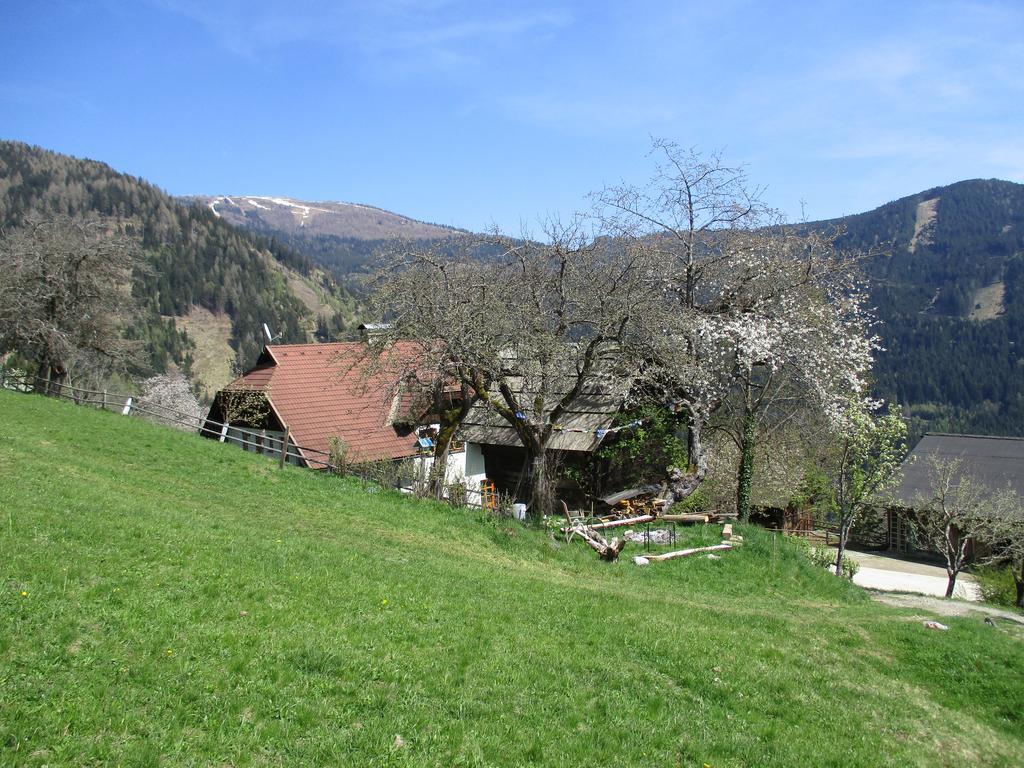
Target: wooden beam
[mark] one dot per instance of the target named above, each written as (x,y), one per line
(616,523)
(688,518)
(645,559)
(284,447)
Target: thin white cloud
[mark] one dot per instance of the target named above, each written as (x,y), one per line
(442,33)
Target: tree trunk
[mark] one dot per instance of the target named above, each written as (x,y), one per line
(438,470)
(56,375)
(442,447)
(844,535)
(746,474)
(951,584)
(451,419)
(1019,578)
(682,485)
(541,492)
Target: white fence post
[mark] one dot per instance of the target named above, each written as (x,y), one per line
(127,407)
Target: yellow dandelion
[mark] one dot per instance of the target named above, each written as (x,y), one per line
(170,652)
(24,593)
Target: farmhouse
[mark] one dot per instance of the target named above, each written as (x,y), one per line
(321,394)
(324,393)
(580,429)
(995,462)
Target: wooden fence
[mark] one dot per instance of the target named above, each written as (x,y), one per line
(384,473)
(284,448)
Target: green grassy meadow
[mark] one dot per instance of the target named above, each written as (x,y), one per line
(167,600)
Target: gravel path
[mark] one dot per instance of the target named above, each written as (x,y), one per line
(946,607)
(891,574)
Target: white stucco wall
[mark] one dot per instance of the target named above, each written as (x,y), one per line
(465,466)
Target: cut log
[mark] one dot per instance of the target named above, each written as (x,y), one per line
(680,553)
(688,518)
(727,531)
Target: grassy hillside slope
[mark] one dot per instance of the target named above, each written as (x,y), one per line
(169,600)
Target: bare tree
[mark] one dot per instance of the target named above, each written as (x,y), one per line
(525,331)
(65,295)
(679,217)
(965,520)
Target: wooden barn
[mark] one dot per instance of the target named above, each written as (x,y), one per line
(580,431)
(995,462)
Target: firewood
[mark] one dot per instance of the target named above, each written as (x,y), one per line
(645,559)
(727,531)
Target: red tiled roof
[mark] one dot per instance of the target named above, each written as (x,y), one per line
(337,390)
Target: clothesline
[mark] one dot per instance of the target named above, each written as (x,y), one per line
(601,433)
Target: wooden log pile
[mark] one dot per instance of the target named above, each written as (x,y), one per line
(589,530)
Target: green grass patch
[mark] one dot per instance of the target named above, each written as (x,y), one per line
(167,600)
(997,585)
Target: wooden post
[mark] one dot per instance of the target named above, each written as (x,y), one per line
(103,402)
(284,448)
(3,372)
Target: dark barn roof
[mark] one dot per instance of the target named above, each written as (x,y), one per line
(994,461)
(582,426)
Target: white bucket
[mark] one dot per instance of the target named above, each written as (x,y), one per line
(519,511)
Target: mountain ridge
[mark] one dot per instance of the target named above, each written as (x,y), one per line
(293,216)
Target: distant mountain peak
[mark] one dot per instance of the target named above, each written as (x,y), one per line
(291,216)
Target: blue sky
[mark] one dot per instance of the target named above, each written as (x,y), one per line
(468,113)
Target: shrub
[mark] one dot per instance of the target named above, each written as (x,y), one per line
(457,493)
(825,557)
(698,501)
(997,585)
(338,456)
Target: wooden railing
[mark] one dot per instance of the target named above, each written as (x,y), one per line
(283,448)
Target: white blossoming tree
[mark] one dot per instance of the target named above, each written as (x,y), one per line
(747,308)
(798,338)
(869,449)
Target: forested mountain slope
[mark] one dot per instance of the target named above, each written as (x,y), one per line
(948,285)
(192,260)
(947,280)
